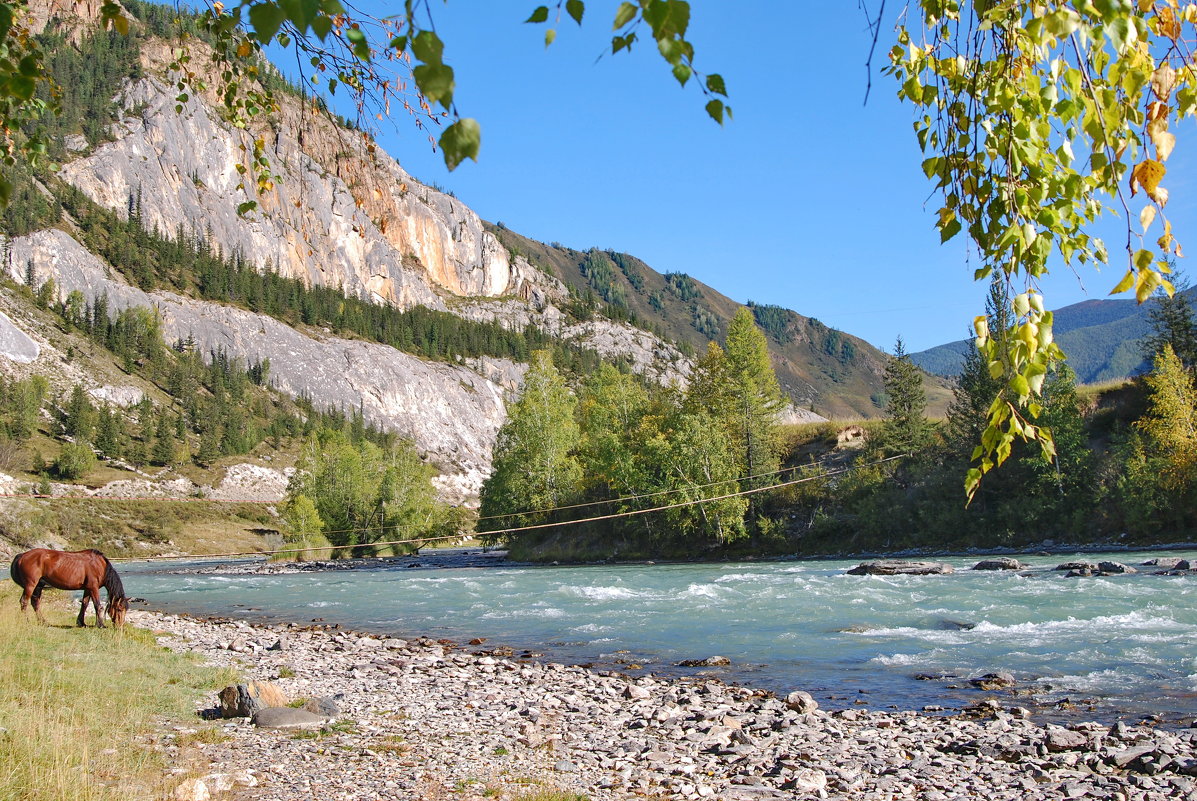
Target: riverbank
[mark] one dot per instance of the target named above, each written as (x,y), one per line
(426,719)
(80,709)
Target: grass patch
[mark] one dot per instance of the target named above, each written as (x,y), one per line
(340,727)
(550,794)
(76,706)
(285,672)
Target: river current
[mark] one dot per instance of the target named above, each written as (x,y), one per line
(1103,648)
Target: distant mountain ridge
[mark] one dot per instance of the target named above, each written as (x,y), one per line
(1102,338)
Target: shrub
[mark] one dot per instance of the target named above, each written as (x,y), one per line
(75,461)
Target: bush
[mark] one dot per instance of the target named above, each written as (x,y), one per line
(75,461)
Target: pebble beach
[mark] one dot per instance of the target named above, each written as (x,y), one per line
(425,719)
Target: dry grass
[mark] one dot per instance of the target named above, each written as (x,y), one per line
(78,707)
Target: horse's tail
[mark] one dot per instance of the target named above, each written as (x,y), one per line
(15,570)
(112,582)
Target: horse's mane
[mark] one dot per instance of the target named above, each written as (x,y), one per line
(112,582)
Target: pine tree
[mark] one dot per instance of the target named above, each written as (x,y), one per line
(80,419)
(1172,324)
(164,441)
(905,428)
(109,434)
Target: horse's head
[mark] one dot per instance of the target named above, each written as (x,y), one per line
(117,607)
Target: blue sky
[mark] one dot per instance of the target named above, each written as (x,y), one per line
(809,198)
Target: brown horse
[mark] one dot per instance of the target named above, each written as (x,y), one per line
(70,570)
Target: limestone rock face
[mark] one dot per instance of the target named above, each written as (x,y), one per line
(15,344)
(344,214)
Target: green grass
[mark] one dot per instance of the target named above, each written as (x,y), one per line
(77,706)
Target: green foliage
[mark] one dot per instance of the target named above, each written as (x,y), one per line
(533,467)
(905,429)
(363,493)
(774,320)
(20,406)
(80,417)
(1173,326)
(75,461)
(683,286)
(305,529)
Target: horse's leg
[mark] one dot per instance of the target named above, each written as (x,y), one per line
(82,608)
(95,604)
(35,597)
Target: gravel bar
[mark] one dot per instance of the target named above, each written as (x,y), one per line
(423,719)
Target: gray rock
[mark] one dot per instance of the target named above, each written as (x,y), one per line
(898,567)
(1001,563)
(1065,740)
(282,717)
(993,681)
(1076,566)
(1162,561)
(1115,567)
(710,661)
(1125,757)
(801,702)
(323,706)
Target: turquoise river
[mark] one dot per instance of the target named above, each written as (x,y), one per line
(1104,648)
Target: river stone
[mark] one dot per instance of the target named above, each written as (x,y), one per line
(1115,567)
(283,717)
(993,681)
(1162,561)
(1001,563)
(808,780)
(635,692)
(710,661)
(243,700)
(1129,755)
(1076,566)
(1065,740)
(192,790)
(323,706)
(801,702)
(899,567)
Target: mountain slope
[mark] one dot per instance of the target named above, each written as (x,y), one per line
(1102,338)
(831,372)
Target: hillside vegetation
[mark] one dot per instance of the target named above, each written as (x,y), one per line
(1103,339)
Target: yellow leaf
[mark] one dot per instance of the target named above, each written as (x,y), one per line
(1146,217)
(1148,175)
(1126,283)
(1163,81)
(1163,145)
(1159,195)
(244,49)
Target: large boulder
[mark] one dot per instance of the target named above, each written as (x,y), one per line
(1001,563)
(710,661)
(243,700)
(284,717)
(1115,567)
(1077,566)
(899,567)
